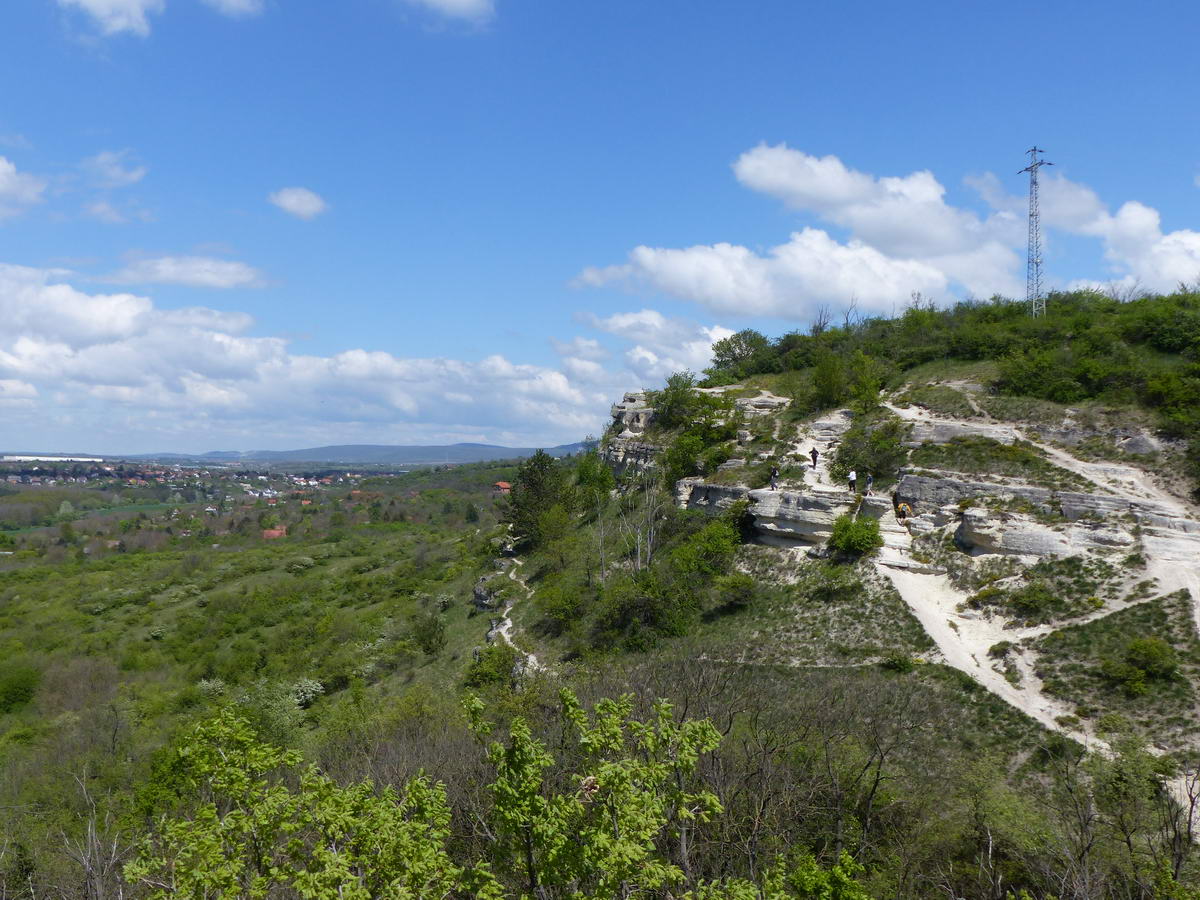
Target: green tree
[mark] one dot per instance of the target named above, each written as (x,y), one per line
(866,379)
(244,832)
(676,404)
(616,816)
(595,835)
(829,379)
(681,459)
(541,483)
(872,444)
(594,479)
(741,354)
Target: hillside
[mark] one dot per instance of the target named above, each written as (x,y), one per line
(978,679)
(1008,522)
(1008,539)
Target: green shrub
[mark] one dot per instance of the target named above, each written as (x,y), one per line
(677,403)
(18,684)
(682,458)
(1154,656)
(706,554)
(737,590)
(429,632)
(1000,650)
(898,662)
(714,457)
(874,445)
(495,667)
(1145,660)
(855,537)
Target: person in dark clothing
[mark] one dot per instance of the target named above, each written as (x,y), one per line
(814,454)
(774,476)
(870,483)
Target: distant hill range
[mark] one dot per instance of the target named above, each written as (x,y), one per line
(377,454)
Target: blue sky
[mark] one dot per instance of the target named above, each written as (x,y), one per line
(492,216)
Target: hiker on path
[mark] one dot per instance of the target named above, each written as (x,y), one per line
(853,479)
(870,483)
(814,454)
(774,476)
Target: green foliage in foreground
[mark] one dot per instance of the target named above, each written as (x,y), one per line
(251,822)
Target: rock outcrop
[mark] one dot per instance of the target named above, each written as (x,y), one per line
(631,415)
(764,404)
(781,518)
(984,515)
(942,432)
(483,596)
(624,455)
(625,450)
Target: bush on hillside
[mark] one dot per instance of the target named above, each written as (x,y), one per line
(496,667)
(874,445)
(854,537)
(18,683)
(681,459)
(1146,659)
(428,630)
(737,591)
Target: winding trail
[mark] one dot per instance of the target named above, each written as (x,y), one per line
(505,626)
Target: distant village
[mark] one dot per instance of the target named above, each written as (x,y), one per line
(51,471)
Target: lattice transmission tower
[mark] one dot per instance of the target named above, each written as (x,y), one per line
(1033,264)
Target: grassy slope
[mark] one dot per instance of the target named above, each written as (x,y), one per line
(1070,660)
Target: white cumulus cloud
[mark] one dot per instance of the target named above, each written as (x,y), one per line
(810,269)
(117,372)
(299,202)
(1137,251)
(661,345)
(117,16)
(904,237)
(16,393)
(110,169)
(470,10)
(192,271)
(18,190)
(237,8)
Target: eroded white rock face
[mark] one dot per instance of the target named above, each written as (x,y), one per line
(927,492)
(943,432)
(630,455)
(780,517)
(1045,522)
(797,516)
(632,414)
(988,531)
(764,404)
